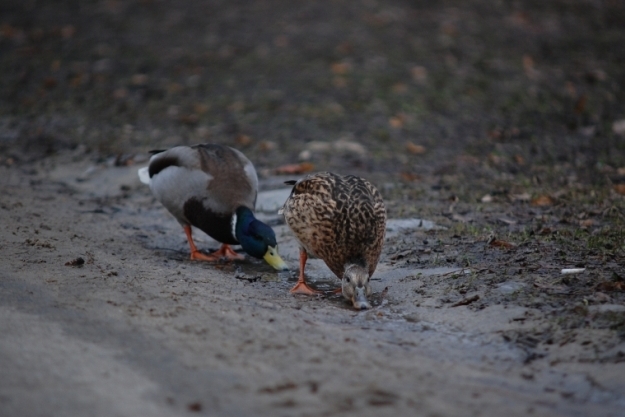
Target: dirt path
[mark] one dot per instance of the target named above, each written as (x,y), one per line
(139,329)
(494,131)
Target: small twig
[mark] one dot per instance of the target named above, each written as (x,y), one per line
(466,301)
(384,292)
(572,270)
(459,271)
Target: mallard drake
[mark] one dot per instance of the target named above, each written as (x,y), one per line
(342,220)
(214,188)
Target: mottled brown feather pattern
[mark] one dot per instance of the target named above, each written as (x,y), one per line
(340,219)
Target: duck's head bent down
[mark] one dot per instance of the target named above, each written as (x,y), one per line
(355,286)
(257,239)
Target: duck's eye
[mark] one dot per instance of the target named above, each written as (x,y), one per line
(346,279)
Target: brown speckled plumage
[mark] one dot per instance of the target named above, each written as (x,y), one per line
(340,219)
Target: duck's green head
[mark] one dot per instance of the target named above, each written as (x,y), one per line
(257,239)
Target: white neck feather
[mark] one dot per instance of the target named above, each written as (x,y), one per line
(233,225)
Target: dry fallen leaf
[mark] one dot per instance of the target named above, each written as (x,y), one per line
(495,159)
(580,104)
(77,80)
(415,149)
(542,201)
(344,48)
(7,31)
(495,134)
(266,146)
(419,74)
(620,188)
(586,223)
(118,94)
(528,62)
(501,244)
(200,108)
(339,82)
(139,79)
(174,88)
(340,68)
(409,176)
(396,121)
(293,169)
(571,90)
(68,31)
(50,82)
(243,140)
(611,286)
(529,67)
(400,88)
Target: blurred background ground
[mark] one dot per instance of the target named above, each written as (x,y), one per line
(502,121)
(514,86)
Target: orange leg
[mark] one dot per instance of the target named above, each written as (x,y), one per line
(301,287)
(225,251)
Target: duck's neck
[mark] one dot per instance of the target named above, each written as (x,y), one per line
(241,220)
(359,265)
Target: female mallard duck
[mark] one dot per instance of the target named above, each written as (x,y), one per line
(342,220)
(213,188)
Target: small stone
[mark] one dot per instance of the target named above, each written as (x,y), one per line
(618,127)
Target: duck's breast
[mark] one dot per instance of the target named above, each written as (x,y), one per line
(175,185)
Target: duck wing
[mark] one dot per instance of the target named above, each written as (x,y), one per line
(235,182)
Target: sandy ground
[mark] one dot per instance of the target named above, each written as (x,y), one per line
(139,329)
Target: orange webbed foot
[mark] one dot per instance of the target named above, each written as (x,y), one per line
(199,256)
(302,288)
(228,253)
(223,253)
